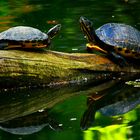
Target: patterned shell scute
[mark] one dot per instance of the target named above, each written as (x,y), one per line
(120,35)
(23,33)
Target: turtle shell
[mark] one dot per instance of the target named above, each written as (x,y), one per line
(23,33)
(121,35)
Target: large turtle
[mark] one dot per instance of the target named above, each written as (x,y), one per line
(27,37)
(118,40)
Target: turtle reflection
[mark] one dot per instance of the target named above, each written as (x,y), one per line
(30,124)
(110,102)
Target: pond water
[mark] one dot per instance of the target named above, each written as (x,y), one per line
(43,15)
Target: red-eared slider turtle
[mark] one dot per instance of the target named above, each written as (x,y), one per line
(27,37)
(118,40)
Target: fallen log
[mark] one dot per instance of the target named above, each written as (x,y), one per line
(25,69)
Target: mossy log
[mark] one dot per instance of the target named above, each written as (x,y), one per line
(26,68)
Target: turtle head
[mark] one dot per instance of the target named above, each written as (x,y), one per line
(93,40)
(54,30)
(87,28)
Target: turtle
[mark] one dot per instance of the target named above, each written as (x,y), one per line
(27,37)
(118,40)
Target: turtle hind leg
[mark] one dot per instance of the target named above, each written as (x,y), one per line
(118,59)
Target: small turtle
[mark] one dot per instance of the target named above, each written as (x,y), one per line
(27,37)
(117,40)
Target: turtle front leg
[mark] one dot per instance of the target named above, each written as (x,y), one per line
(118,59)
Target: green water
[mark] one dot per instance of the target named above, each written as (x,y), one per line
(43,14)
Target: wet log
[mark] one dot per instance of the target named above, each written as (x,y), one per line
(27,68)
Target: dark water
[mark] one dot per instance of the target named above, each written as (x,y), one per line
(43,14)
